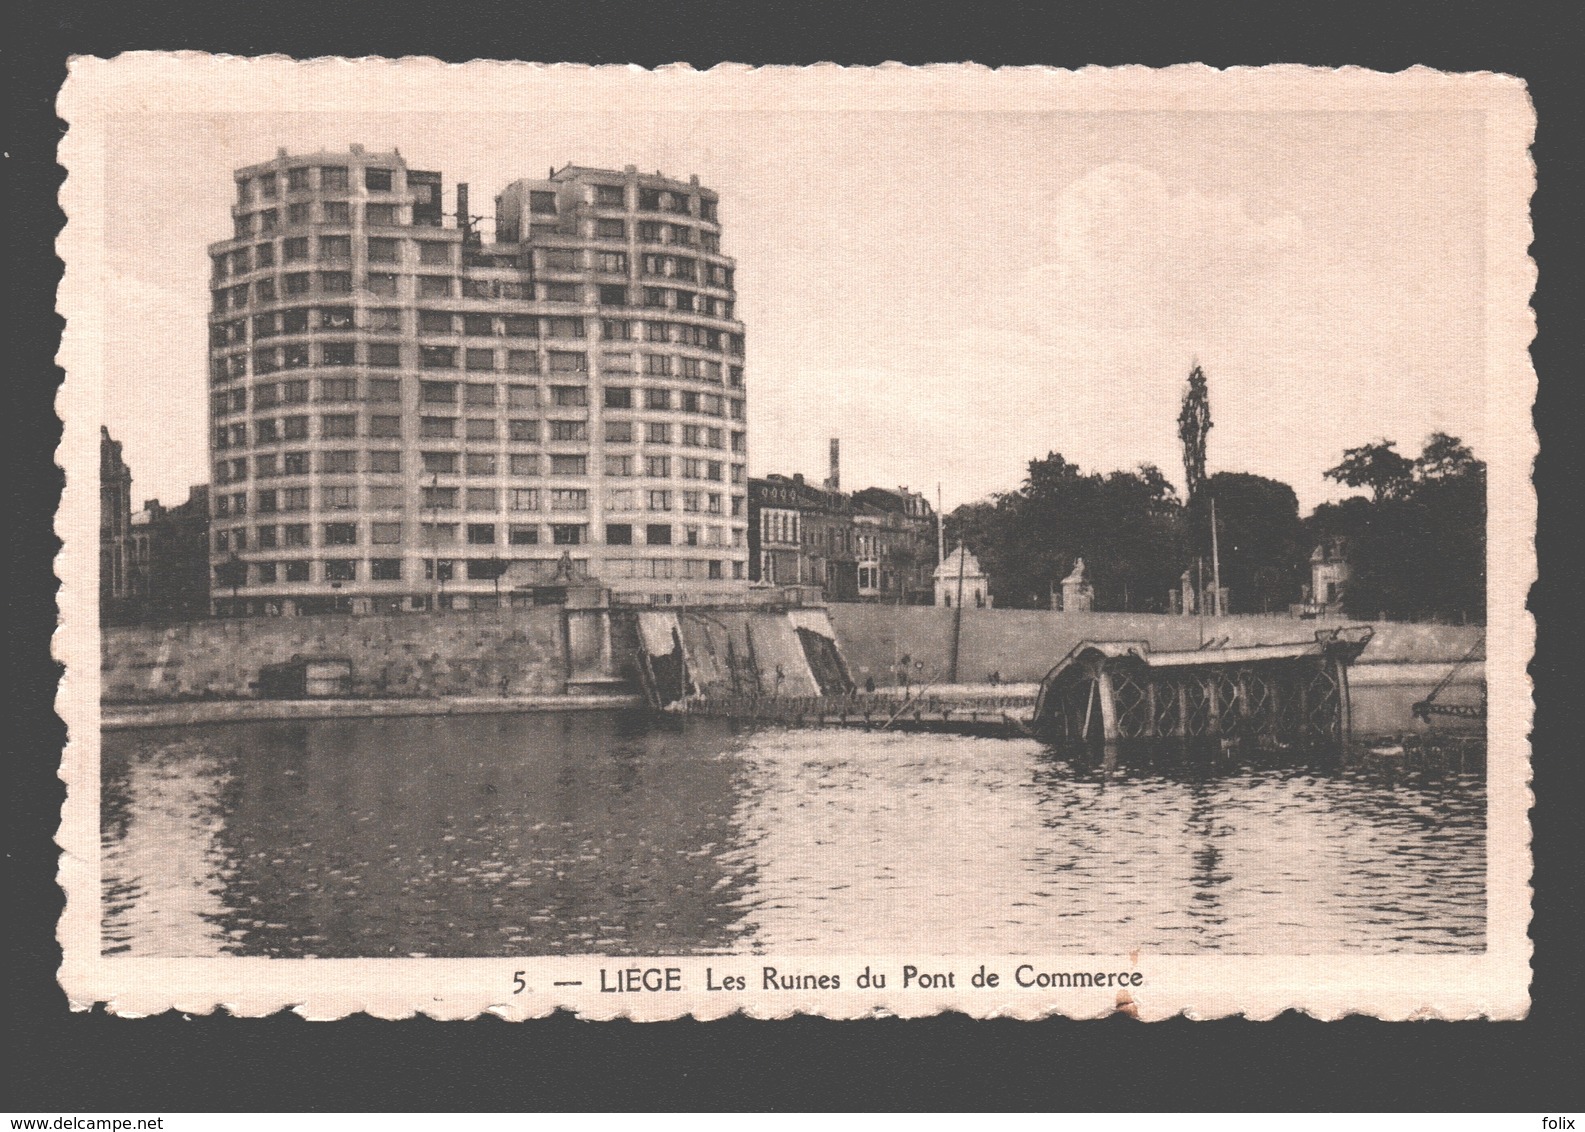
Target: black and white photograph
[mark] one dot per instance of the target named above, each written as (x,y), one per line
(830,541)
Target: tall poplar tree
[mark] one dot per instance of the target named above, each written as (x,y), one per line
(1194,422)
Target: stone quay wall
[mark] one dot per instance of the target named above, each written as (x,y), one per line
(505,653)
(519,654)
(1022,645)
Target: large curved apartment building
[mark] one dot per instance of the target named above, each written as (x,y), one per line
(407,416)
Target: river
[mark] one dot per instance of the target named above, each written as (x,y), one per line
(611,833)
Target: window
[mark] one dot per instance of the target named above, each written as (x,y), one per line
(297,571)
(690,402)
(338,425)
(568,431)
(341,569)
(564,327)
(294,499)
(480,463)
(480,428)
(574,396)
(479,393)
(692,469)
(657,364)
(621,499)
(438,392)
(693,436)
(569,499)
(341,534)
(610,230)
(619,432)
(339,461)
(521,464)
(655,297)
(434,252)
(336,282)
(520,326)
(296,428)
(692,500)
(562,361)
(657,534)
(484,569)
(440,499)
(335,247)
(649,231)
(657,399)
(267,537)
(481,534)
(297,214)
(619,465)
(437,427)
(385,461)
(269,502)
(522,431)
(437,357)
(566,534)
(439,463)
(340,354)
(660,501)
(382,283)
(435,322)
(376,179)
(713,470)
(380,215)
(338,498)
(481,499)
(657,467)
(559,292)
(385,497)
(295,534)
(385,569)
(295,356)
(383,249)
(522,499)
(265,466)
(333,178)
(522,396)
(517,534)
(569,465)
(522,361)
(657,433)
(294,464)
(434,286)
(617,330)
(440,534)
(294,250)
(385,427)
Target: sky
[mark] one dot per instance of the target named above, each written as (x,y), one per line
(951,292)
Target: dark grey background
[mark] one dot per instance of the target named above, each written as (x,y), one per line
(62,1063)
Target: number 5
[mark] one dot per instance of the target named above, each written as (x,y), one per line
(518,985)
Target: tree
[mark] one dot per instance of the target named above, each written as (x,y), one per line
(1379,467)
(1417,548)
(1127,526)
(1194,424)
(1260,536)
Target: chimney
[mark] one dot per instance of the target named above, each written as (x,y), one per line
(464,221)
(834,480)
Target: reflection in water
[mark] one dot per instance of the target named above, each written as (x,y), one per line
(611,833)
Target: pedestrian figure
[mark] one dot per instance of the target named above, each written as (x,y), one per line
(869,684)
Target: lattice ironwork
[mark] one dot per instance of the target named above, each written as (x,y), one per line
(1166,710)
(1131,701)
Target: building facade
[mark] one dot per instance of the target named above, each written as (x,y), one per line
(875,545)
(115,528)
(802,536)
(408,416)
(170,562)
